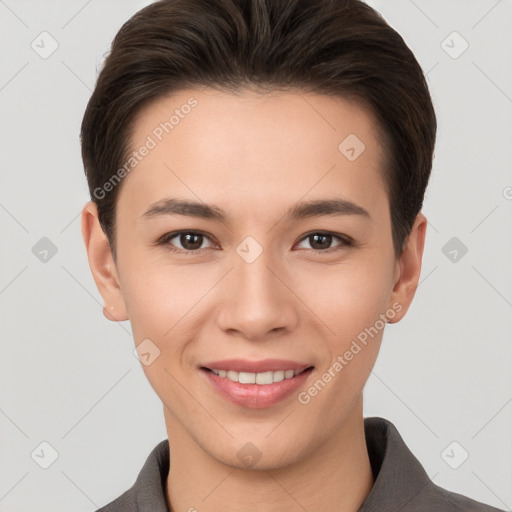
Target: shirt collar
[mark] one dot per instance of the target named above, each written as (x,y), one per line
(399,476)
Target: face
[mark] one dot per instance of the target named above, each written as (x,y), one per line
(286,260)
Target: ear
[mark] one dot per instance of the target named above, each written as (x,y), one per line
(408,268)
(102,264)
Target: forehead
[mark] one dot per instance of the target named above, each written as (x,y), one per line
(259,147)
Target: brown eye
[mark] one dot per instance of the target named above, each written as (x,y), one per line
(191,241)
(321,242)
(187,241)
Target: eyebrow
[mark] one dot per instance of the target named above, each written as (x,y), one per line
(313,208)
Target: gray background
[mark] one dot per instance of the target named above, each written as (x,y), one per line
(69,376)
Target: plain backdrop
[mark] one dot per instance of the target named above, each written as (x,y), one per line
(69,378)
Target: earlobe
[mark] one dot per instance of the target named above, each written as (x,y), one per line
(409,267)
(102,264)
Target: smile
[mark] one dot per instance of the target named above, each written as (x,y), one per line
(257,390)
(263,378)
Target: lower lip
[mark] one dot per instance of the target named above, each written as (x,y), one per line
(256,396)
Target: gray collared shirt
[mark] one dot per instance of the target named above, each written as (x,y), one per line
(401,483)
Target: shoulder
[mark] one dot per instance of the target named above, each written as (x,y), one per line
(127,502)
(401,483)
(148,491)
(437,498)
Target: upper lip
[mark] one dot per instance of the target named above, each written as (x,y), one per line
(265,365)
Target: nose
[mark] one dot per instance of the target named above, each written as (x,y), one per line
(258,301)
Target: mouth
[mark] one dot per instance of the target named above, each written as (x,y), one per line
(261,378)
(256,384)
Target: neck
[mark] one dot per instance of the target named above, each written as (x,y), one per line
(336,476)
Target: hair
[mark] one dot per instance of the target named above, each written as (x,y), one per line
(342,48)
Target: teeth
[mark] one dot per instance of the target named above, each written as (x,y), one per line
(257,378)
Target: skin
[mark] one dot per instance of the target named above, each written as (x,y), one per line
(255,156)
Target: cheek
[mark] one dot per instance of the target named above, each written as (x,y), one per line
(347,298)
(162,300)
(351,301)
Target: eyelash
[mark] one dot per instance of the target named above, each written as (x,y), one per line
(345,241)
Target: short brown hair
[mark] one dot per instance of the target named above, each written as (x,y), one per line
(335,47)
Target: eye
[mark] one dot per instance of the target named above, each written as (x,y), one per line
(320,241)
(191,241)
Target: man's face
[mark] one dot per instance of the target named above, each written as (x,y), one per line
(260,284)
